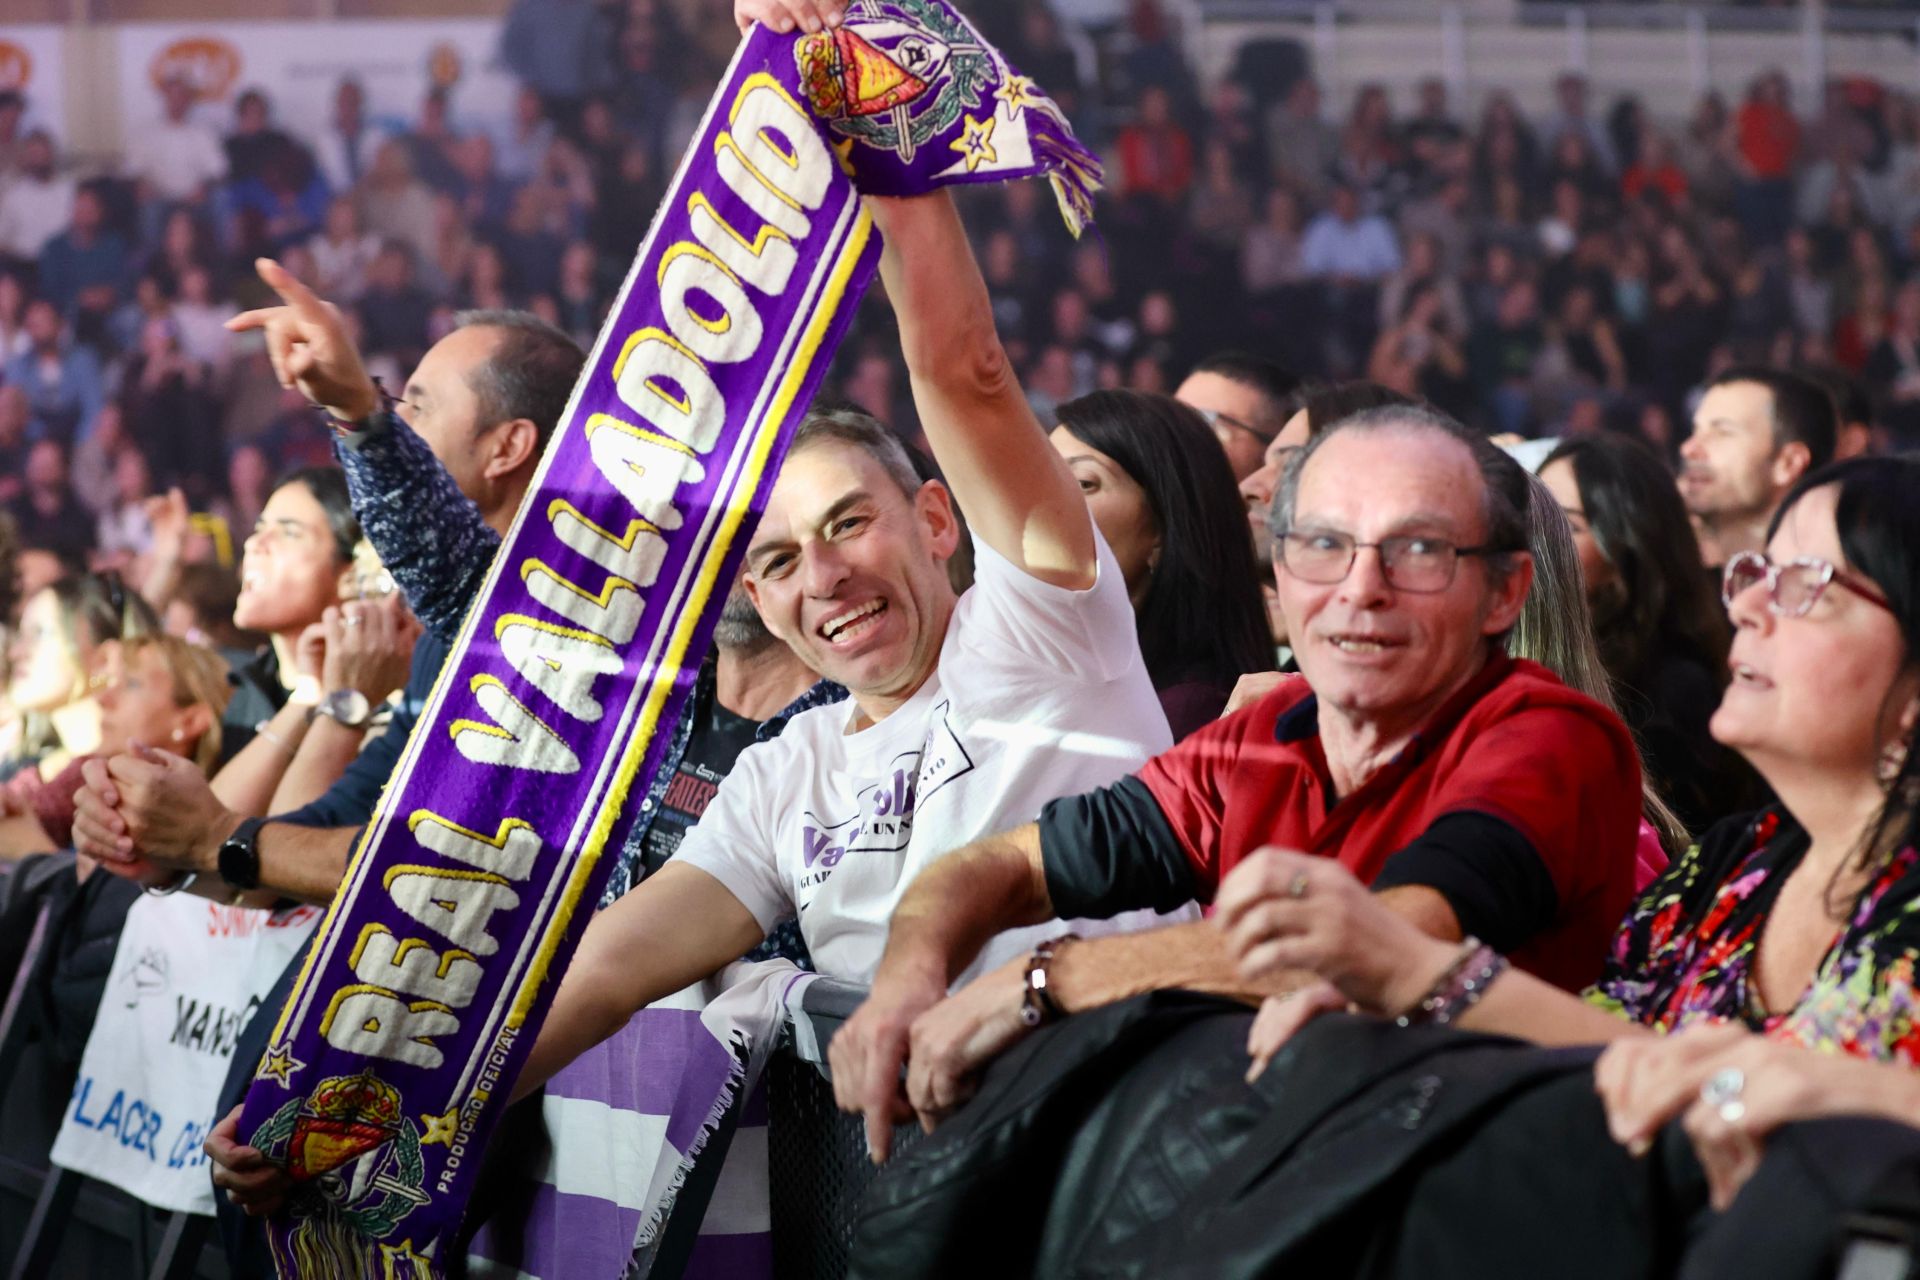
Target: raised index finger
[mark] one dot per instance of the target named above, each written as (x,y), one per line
(296,295)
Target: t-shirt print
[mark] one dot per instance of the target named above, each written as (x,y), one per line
(1039,692)
(883,821)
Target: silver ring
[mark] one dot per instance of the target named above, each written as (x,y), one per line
(1297,888)
(351,620)
(1722,1092)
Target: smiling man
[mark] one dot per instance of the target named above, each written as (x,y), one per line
(1476,794)
(965,714)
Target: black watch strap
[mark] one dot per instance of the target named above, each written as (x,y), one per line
(239,862)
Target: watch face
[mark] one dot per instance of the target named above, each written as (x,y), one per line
(348,706)
(239,861)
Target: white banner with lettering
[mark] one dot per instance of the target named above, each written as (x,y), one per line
(187,976)
(33,64)
(298,65)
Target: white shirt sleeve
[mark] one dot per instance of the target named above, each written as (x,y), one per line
(1012,616)
(732,843)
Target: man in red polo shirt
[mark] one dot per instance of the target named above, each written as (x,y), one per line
(1474,793)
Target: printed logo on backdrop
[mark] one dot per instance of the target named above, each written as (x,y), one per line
(16,67)
(208,63)
(883,819)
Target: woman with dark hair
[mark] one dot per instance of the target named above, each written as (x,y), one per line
(1765,979)
(1779,952)
(296,568)
(1164,499)
(1662,635)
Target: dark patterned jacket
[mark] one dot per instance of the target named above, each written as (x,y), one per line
(432,538)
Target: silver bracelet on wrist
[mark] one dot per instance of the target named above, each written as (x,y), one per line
(1458,989)
(181,881)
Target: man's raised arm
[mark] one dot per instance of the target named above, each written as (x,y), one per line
(1016,491)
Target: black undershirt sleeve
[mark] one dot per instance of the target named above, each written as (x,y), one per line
(1489,873)
(1110,851)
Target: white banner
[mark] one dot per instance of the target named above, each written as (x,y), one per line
(33,63)
(299,64)
(186,977)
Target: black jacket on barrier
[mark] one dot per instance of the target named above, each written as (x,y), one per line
(1125,1143)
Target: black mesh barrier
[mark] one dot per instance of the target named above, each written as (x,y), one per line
(817,1169)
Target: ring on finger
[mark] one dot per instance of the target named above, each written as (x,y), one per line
(1723,1091)
(351,620)
(1297,887)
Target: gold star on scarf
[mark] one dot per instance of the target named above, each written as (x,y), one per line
(976,144)
(1014,93)
(843,152)
(440,1129)
(400,1262)
(279,1065)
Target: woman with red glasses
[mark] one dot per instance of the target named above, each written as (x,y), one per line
(1762,986)
(1782,949)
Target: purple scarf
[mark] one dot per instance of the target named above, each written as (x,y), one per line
(429,978)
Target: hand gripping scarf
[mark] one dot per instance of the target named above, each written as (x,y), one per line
(428,981)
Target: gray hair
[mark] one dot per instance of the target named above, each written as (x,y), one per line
(1505,484)
(866,433)
(530,374)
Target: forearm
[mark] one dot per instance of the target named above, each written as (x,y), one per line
(691,926)
(1521,1005)
(247,784)
(306,864)
(324,755)
(586,1010)
(1018,493)
(1187,957)
(162,579)
(960,902)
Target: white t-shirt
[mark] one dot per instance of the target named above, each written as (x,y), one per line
(177,158)
(1040,692)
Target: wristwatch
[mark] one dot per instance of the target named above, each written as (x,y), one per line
(348,708)
(239,860)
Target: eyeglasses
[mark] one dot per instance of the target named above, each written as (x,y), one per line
(1792,588)
(1416,563)
(1215,418)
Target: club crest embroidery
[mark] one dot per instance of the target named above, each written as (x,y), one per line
(351,1141)
(895,75)
(914,95)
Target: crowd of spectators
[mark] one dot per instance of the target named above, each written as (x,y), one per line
(1584,269)
(1594,276)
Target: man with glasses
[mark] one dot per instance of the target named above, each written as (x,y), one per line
(1245,400)
(1476,794)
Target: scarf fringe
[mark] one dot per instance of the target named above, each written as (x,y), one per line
(648,1235)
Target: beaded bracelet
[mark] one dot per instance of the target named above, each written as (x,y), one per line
(1459,988)
(1037,1004)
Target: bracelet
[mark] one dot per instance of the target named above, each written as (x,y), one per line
(1037,1004)
(262,731)
(180,881)
(1459,988)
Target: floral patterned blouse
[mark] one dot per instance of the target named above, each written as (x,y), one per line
(1685,952)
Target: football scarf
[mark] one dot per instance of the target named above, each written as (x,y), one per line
(427,983)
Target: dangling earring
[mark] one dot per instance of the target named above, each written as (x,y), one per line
(1892,763)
